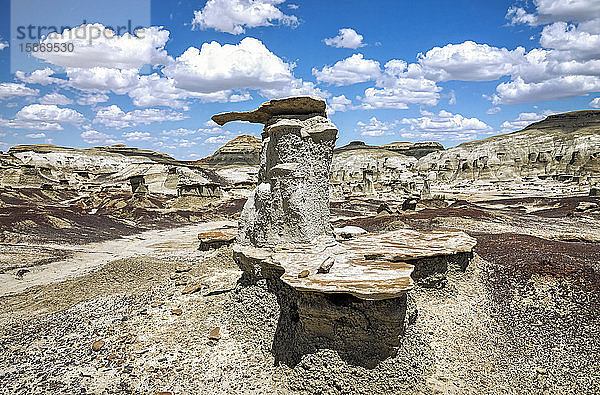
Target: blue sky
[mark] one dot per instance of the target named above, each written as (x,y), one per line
(389,70)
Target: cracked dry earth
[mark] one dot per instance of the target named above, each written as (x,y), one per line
(521,319)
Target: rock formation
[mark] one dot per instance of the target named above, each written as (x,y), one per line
(243,150)
(563,148)
(350,296)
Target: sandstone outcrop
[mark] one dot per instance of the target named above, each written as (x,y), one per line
(373,171)
(350,296)
(243,150)
(563,148)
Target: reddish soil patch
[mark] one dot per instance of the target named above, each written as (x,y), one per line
(529,254)
(375,223)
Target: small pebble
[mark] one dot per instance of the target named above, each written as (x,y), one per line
(215,334)
(97,345)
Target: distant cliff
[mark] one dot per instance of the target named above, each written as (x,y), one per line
(416,150)
(561,145)
(244,150)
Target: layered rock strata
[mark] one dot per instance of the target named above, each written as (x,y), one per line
(350,296)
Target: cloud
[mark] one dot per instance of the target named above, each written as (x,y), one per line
(92,99)
(443,125)
(376,127)
(43,117)
(137,136)
(216,67)
(547,11)
(296,87)
(234,16)
(347,38)
(400,85)
(96,137)
(524,119)
(469,61)
(96,46)
(577,43)
(35,135)
(218,139)
(55,98)
(338,103)
(41,76)
(595,103)
(519,91)
(9,90)
(493,110)
(452,99)
(349,71)
(103,79)
(153,90)
(112,116)
(3,44)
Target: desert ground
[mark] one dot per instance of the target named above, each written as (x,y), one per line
(521,318)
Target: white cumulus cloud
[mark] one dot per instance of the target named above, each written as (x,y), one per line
(113,116)
(96,46)
(41,76)
(375,127)
(234,16)
(43,117)
(595,103)
(401,85)
(547,11)
(347,38)
(443,125)
(523,120)
(351,70)
(215,67)
(9,90)
(55,98)
(469,61)
(96,137)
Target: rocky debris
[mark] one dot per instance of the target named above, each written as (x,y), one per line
(215,334)
(176,311)
(348,232)
(384,208)
(303,274)
(326,265)
(138,185)
(583,207)
(97,345)
(410,204)
(190,289)
(215,239)
(201,189)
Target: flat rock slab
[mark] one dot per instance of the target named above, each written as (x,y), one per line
(409,244)
(369,267)
(215,239)
(303,105)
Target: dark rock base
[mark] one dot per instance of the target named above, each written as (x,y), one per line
(431,272)
(363,332)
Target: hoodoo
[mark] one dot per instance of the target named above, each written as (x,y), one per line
(351,295)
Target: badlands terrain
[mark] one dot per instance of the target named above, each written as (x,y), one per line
(104,288)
